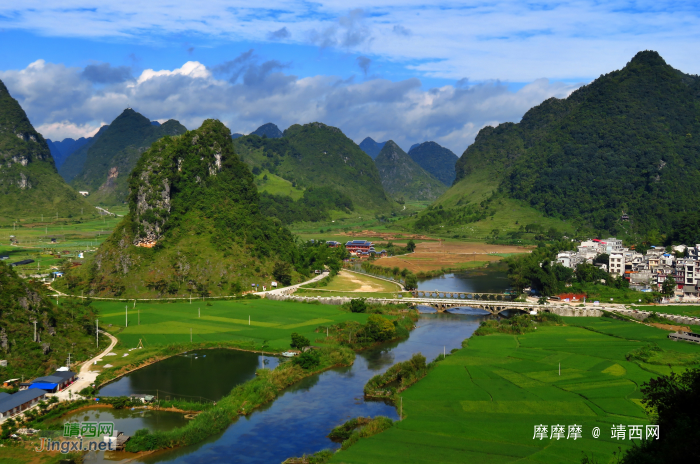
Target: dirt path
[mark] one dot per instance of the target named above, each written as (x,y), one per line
(86,377)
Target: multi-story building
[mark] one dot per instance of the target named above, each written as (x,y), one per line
(616,264)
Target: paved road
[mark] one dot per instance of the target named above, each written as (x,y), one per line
(85,376)
(292,288)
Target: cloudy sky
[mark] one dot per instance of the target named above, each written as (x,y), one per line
(402,70)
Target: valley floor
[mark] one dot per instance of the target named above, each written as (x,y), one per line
(482,404)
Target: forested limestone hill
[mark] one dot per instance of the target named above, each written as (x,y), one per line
(112,156)
(193,226)
(317,155)
(403,178)
(59,330)
(29,183)
(436,159)
(628,142)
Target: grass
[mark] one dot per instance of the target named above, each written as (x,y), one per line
(321,293)
(693,311)
(272,322)
(481,403)
(275,185)
(351,282)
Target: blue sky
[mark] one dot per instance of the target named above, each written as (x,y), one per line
(402,70)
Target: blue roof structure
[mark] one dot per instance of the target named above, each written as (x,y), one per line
(44,386)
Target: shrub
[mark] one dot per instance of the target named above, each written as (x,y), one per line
(299,341)
(308,360)
(358,305)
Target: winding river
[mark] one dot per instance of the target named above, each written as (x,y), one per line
(299,420)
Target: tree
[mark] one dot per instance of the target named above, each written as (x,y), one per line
(669,286)
(675,399)
(358,305)
(282,272)
(299,341)
(411,246)
(308,360)
(379,328)
(411,282)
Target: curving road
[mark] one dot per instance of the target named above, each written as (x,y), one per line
(85,376)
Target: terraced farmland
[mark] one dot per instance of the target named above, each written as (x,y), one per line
(482,403)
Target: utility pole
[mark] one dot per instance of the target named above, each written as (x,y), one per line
(199,313)
(560,369)
(126,316)
(97,332)
(34,330)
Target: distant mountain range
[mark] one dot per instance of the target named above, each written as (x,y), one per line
(372,148)
(29,183)
(437,160)
(102,165)
(403,178)
(61,150)
(268,130)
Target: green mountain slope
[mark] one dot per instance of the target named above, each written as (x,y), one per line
(317,155)
(113,155)
(404,178)
(29,183)
(628,142)
(437,160)
(193,225)
(70,329)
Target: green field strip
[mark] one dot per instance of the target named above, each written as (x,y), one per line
(304,324)
(176,327)
(536,407)
(230,320)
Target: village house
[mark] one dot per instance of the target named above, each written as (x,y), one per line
(11,405)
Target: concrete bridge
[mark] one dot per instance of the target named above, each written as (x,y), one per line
(445,304)
(439,294)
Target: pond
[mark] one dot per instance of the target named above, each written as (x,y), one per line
(299,420)
(205,375)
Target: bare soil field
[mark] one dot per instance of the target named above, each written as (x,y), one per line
(430,256)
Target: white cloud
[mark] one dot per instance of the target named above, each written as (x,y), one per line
(65,129)
(62,104)
(507,39)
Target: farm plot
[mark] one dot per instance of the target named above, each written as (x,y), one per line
(482,404)
(271,322)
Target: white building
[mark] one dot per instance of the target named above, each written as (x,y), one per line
(616,264)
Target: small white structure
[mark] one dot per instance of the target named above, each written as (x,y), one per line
(84,192)
(273,284)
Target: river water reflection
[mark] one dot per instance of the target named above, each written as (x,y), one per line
(477,281)
(298,421)
(197,375)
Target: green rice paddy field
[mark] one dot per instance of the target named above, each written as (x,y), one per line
(271,322)
(482,403)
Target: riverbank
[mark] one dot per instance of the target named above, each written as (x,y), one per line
(482,403)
